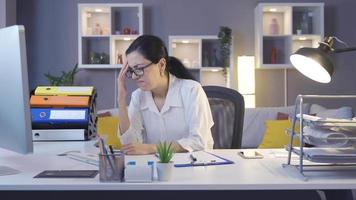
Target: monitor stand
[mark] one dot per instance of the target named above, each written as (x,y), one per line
(4,171)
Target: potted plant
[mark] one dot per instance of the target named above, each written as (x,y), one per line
(66,79)
(165,153)
(225,39)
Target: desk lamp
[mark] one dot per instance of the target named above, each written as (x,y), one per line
(316,63)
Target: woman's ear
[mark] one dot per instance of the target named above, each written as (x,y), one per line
(162,63)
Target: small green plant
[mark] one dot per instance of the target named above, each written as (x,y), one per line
(66,79)
(165,152)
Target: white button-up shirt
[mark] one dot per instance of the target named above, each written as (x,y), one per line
(185,117)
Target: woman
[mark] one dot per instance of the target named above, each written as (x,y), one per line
(168,105)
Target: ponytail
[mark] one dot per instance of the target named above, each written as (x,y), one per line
(176,67)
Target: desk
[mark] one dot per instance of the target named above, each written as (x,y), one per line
(258,174)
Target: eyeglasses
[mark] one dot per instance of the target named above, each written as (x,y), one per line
(138,71)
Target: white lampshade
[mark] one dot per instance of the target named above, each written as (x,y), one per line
(310,67)
(246,79)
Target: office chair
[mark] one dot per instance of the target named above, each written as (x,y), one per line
(228,108)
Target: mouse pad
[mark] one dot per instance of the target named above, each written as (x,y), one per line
(67,174)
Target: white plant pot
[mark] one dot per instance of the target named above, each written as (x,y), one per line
(164,171)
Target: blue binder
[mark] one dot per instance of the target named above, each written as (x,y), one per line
(50,118)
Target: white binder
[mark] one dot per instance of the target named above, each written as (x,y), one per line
(58,134)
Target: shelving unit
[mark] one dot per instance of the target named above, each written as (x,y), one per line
(105,31)
(281,28)
(200,54)
(326,157)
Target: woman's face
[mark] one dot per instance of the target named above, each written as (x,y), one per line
(151,72)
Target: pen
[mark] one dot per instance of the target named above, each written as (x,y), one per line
(194,159)
(102,142)
(111,149)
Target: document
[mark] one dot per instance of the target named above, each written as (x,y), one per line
(330,155)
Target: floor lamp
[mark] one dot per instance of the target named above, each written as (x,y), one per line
(246,79)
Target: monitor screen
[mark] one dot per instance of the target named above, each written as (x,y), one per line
(15,121)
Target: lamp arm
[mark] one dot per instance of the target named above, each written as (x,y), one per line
(344,50)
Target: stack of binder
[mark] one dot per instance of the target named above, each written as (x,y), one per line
(63,113)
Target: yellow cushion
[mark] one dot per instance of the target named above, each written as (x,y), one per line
(107,126)
(275,136)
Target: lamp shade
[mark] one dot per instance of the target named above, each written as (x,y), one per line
(314,63)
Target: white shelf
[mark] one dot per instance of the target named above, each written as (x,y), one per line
(95,36)
(212,69)
(282,28)
(100,66)
(106,30)
(199,53)
(276,36)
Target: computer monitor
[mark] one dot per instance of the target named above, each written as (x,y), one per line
(15,120)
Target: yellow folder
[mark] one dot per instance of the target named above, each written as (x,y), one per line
(108,127)
(64,90)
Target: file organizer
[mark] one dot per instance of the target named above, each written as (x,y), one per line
(63,113)
(332,159)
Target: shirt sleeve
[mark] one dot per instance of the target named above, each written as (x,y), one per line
(134,133)
(199,119)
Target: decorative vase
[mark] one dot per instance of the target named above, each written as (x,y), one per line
(273,55)
(274,27)
(206,62)
(304,24)
(164,171)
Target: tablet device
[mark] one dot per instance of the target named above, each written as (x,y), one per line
(67,174)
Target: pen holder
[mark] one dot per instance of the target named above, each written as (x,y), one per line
(111,167)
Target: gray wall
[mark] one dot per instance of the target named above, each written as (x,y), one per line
(52,41)
(2,13)
(11,12)
(7,13)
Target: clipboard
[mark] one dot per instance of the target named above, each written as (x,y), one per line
(217,161)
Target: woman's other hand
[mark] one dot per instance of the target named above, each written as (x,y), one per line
(121,85)
(138,148)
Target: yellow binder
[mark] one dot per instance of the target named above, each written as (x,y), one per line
(64,90)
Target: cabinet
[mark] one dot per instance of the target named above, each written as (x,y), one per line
(282,28)
(201,55)
(105,31)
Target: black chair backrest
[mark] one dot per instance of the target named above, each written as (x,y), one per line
(228,108)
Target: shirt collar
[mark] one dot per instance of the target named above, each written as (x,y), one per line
(173,99)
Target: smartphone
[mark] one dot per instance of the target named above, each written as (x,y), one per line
(250,154)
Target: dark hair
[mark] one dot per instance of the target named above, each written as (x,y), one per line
(153,49)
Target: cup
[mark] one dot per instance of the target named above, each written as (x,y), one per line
(111,167)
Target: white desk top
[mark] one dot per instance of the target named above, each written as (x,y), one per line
(252,174)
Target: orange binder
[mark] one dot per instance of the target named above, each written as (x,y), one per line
(59,101)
